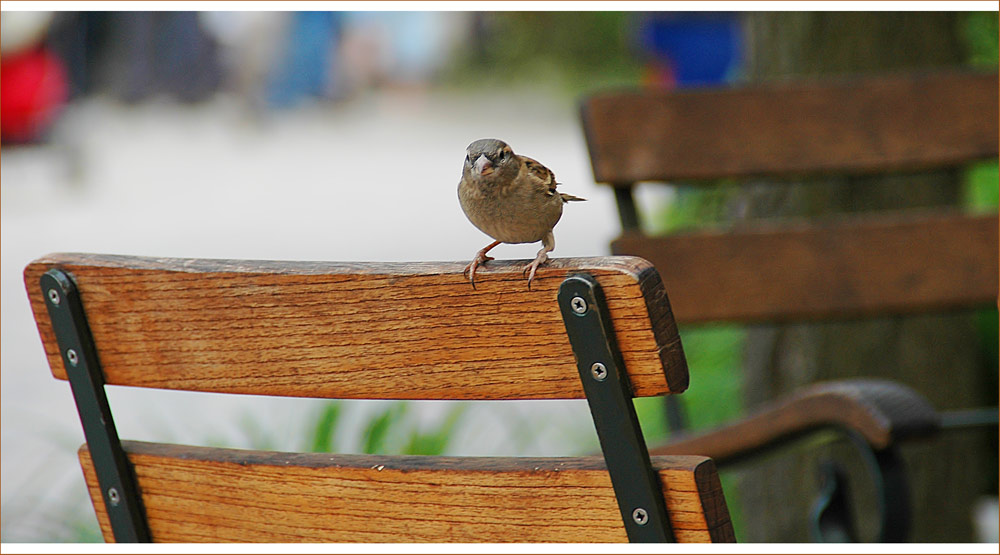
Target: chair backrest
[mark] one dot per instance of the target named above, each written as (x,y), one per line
(807,269)
(359,331)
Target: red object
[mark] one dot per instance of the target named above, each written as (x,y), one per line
(33,86)
(659,75)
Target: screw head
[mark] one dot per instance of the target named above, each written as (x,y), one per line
(114,497)
(72,357)
(579,304)
(599,371)
(54,297)
(640,516)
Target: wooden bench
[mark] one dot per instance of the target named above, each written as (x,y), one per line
(847,266)
(594,328)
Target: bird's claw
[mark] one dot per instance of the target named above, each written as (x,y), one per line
(470,269)
(530,269)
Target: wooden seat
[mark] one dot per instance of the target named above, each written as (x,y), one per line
(363,331)
(846,266)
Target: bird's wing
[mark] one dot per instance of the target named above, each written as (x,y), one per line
(541,176)
(544,179)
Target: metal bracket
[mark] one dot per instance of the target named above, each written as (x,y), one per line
(831,518)
(609,394)
(114,472)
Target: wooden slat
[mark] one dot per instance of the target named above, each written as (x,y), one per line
(198,494)
(873,124)
(363,330)
(892,264)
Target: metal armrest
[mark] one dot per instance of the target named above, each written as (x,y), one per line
(874,414)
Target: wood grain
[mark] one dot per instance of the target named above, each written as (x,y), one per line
(894,263)
(198,494)
(356,330)
(860,125)
(881,411)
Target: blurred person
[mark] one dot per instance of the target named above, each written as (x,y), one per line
(134,56)
(305,67)
(34,79)
(398,49)
(249,49)
(161,52)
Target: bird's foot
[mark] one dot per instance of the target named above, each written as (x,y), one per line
(470,270)
(530,268)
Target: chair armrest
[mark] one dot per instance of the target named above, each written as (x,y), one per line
(881,411)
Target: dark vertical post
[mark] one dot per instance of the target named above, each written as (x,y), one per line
(609,395)
(76,347)
(627,212)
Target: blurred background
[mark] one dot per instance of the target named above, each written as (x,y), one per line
(340,136)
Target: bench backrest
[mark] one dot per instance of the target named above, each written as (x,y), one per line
(362,331)
(807,269)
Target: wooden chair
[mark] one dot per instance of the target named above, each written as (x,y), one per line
(850,266)
(594,328)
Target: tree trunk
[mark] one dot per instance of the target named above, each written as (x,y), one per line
(938,355)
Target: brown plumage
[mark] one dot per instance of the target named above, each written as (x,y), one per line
(511,198)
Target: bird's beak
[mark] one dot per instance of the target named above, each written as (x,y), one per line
(483,165)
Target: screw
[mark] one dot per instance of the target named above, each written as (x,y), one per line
(72,357)
(54,296)
(114,498)
(599,371)
(579,305)
(640,516)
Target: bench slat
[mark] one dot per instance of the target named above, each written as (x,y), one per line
(356,330)
(853,125)
(861,265)
(194,494)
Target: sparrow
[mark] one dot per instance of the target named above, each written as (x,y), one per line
(511,198)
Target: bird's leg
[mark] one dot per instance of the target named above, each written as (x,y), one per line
(479,259)
(548,245)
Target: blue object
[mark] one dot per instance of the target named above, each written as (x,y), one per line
(304,70)
(700,48)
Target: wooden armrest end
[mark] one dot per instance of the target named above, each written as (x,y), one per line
(881,411)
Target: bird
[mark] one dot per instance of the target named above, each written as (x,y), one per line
(511,198)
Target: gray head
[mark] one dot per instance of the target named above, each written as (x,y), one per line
(490,160)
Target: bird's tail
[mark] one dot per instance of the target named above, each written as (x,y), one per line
(566,197)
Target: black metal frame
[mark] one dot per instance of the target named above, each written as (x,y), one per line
(76,347)
(609,395)
(831,517)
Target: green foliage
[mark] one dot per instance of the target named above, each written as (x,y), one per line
(392,430)
(714,355)
(979,31)
(435,441)
(693,207)
(980,187)
(324,428)
(652,417)
(380,427)
(988,326)
(714,398)
(574,49)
